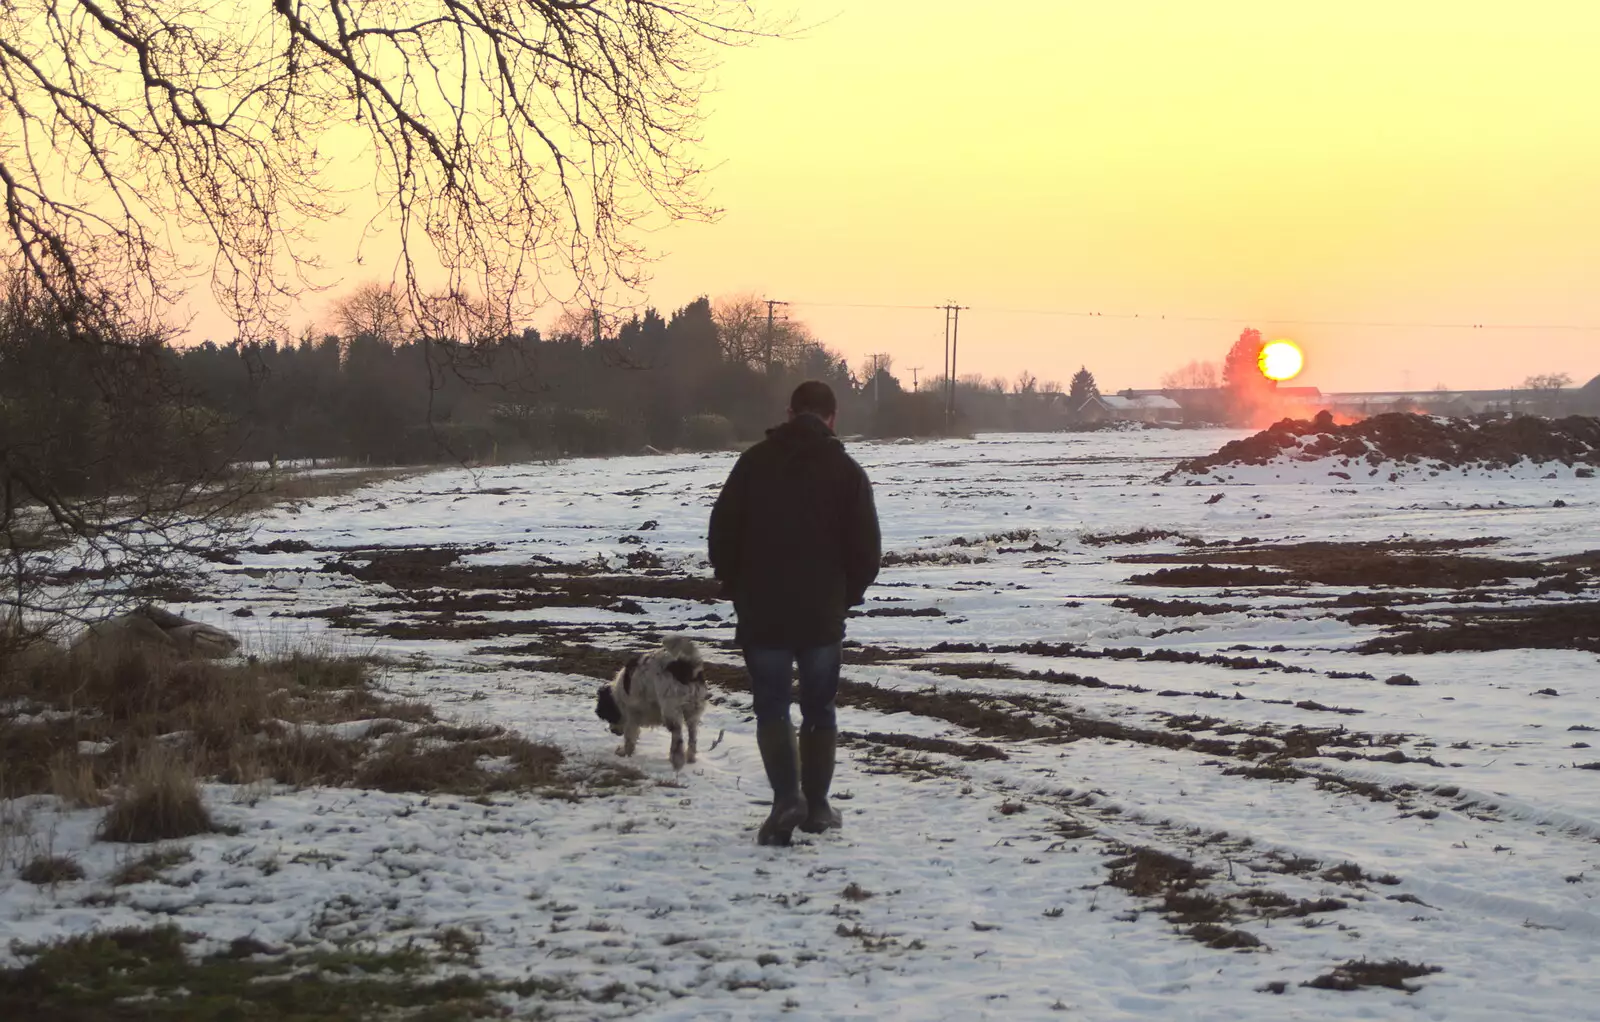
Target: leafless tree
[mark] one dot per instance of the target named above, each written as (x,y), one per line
(1197,375)
(741,328)
(872,365)
(113,485)
(1546,390)
(1547,382)
(515,143)
(374,310)
(749,336)
(463,319)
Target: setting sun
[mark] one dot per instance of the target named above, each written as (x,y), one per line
(1281,360)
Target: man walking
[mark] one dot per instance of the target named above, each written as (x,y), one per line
(794,541)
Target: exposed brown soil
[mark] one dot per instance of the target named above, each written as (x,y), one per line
(1266,752)
(1177,883)
(1067,649)
(898,612)
(893,559)
(1415,440)
(412,569)
(280,546)
(1211,576)
(441,595)
(1147,872)
(1354,975)
(1350,873)
(985,716)
(1143,535)
(970,751)
(1405,563)
(1175,608)
(866,655)
(1385,598)
(993,670)
(1573,625)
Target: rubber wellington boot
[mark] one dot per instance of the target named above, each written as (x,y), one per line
(817,747)
(781,758)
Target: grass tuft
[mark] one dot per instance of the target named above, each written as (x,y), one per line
(148,974)
(161,802)
(73,780)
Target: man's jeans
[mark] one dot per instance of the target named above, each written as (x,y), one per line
(819,683)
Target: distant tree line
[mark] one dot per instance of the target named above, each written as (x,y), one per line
(374,388)
(375,391)
(709,375)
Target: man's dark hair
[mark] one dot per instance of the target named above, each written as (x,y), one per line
(813,397)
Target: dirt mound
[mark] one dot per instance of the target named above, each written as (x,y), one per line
(1399,439)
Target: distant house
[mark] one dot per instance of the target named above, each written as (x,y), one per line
(1147,408)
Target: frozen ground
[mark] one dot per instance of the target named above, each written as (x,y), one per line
(989,864)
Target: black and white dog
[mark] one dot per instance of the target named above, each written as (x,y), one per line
(665,686)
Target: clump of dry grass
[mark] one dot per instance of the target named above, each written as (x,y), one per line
(148,868)
(238,721)
(301,759)
(51,869)
(160,802)
(501,761)
(73,780)
(147,727)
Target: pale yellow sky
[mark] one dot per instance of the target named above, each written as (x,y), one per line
(1263,163)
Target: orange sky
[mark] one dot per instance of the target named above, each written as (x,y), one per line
(1260,163)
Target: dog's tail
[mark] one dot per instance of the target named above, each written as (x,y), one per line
(681,647)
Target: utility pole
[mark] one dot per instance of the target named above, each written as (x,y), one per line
(946,379)
(914,371)
(952,332)
(771,304)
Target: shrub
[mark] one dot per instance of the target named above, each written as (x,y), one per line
(707,433)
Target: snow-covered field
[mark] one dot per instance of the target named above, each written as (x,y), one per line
(988,873)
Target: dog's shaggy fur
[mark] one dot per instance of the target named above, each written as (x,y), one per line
(666,686)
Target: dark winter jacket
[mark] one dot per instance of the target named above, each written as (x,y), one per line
(794,537)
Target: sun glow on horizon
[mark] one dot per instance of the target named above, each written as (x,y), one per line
(1281,360)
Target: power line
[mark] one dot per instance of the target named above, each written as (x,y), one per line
(1185,318)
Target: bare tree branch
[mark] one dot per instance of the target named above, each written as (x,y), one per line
(516,143)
